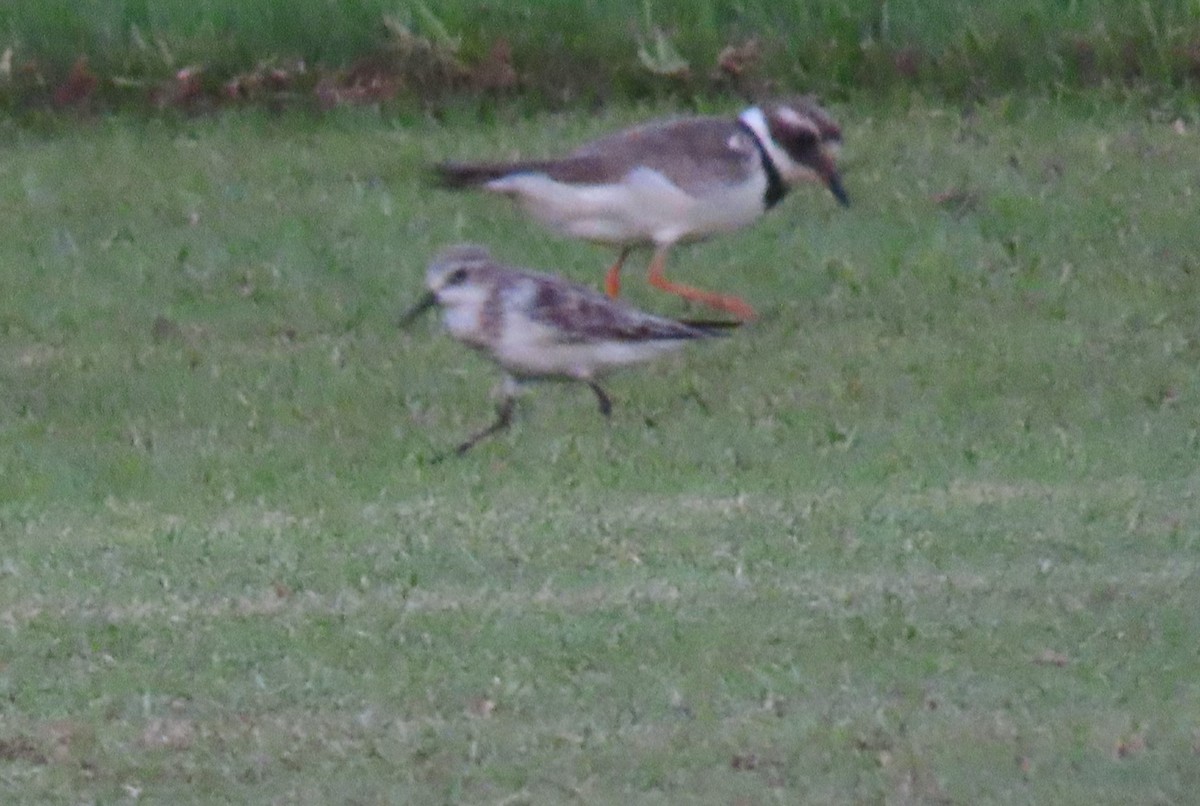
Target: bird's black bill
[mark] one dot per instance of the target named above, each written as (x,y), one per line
(835,187)
(426,302)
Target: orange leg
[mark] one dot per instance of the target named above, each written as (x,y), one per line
(612,280)
(734,305)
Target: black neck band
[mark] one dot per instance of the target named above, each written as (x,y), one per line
(776,189)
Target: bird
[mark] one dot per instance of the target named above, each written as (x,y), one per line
(538,326)
(669,182)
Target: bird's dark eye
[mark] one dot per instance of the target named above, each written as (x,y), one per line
(456,277)
(796,139)
(800,140)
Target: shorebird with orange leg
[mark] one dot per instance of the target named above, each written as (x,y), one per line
(671,182)
(539,327)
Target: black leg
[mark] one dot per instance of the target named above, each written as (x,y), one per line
(605,403)
(504,414)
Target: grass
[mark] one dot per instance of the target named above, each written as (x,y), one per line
(925,532)
(576,51)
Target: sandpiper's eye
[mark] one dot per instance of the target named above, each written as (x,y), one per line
(457,276)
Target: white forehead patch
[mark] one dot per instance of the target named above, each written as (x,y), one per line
(789,115)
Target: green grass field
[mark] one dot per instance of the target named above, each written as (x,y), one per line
(927,532)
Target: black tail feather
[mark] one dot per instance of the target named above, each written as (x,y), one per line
(462,175)
(713,327)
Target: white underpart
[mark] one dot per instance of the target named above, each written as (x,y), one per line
(791,171)
(535,349)
(645,207)
(527,348)
(531,349)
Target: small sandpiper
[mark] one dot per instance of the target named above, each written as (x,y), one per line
(538,327)
(669,182)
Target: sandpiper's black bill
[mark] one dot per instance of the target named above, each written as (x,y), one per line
(425,303)
(421,306)
(835,187)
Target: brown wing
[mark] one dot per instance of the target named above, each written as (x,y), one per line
(578,314)
(695,153)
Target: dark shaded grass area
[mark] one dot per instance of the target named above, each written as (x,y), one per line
(572,51)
